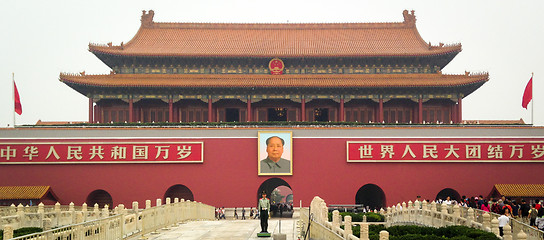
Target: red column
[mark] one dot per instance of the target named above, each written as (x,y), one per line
(248,109)
(210,114)
(91,117)
(131,110)
(170,110)
(341,110)
(380,111)
(302,110)
(420,111)
(96,114)
(460,110)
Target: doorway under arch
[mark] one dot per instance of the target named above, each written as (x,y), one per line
(280,194)
(179,191)
(100,197)
(448,192)
(371,195)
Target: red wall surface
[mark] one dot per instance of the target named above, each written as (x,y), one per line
(228,176)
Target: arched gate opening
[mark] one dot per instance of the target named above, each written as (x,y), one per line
(178,191)
(281,197)
(448,192)
(372,196)
(100,197)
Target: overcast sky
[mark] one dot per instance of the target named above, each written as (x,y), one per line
(41,39)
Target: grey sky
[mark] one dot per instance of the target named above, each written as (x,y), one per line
(40,39)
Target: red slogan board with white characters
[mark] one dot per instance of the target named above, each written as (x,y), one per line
(446,150)
(68,151)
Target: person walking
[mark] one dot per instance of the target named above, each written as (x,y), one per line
(503,220)
(264,209)
(243,214)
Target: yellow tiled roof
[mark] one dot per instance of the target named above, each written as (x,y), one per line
(23,192)
(285,80)
(278,40)
(521,190)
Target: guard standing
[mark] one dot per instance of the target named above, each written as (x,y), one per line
(264,208)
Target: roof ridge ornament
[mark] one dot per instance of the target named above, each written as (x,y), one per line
(147,18)
(409,18)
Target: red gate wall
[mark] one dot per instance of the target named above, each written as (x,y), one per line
(228,175)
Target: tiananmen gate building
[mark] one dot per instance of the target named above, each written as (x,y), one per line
(407,136)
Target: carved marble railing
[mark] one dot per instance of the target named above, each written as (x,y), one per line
(441,215)
(411,213)
(98,224)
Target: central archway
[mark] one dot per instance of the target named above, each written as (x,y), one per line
(274,187)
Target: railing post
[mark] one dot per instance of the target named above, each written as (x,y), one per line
(444,214)
(487,222)
(8,232)
(72,211)
(507,232)
(425,212)
(84,211)
(495,227)
(335,219)
(388,217)
(521,235)
(41,213)
(167,212)
(470,217)
(158,214)
(96,211)
(456,211)
(347,227)
(105,211)
(78,231)
(410,211)
(57,215)
(384,235)
(135,210)
(122,212)
(405,212)
(363,234)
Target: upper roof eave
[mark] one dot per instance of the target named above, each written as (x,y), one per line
(394,39)
(264,80)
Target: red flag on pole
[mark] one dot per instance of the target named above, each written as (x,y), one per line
(18,107)
(528,94)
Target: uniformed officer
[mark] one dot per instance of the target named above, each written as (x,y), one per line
(264,209)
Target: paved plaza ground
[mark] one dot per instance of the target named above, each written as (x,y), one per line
(225,229)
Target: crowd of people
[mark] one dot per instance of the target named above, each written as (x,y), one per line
(220,213)
(532,214)
(276,210)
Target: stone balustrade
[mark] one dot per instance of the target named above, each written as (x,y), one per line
(441,215)
(102,223)
(411,213)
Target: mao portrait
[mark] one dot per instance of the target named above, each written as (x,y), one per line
(275,153)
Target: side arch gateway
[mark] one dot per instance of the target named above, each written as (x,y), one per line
(371,195)
(179,191)
(100,197)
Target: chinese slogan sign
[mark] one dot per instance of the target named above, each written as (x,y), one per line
(446,150)
(100,151)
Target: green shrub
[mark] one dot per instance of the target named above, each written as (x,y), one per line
(22,231)
(430,233)
(358,217)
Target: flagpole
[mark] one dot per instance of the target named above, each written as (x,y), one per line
(532,105)
(13,96)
